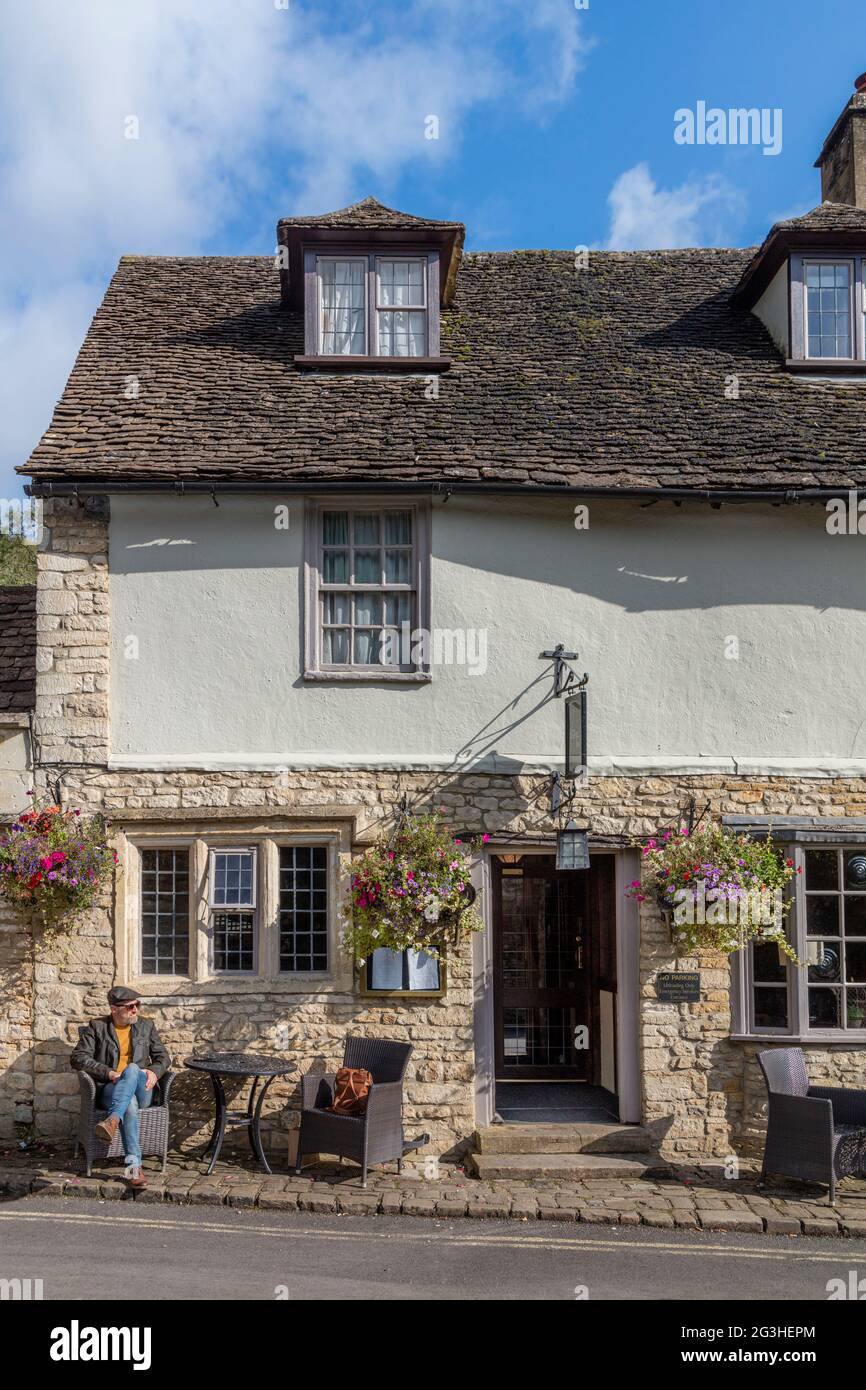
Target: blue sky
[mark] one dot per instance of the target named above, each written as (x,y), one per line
(555,128)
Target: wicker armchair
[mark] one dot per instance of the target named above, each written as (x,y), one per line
(816,1133)
(153,1123)
(377,1135)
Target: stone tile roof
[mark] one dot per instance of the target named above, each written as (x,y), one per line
(827,217)
(609,377)
(17,647)
(370,214)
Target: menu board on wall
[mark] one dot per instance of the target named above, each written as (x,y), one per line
(404,970)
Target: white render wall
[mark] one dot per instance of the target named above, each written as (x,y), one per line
(772,309)
(652,598)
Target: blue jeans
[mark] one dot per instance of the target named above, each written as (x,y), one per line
(125,1098)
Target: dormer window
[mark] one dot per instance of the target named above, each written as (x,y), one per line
(375,306)
(372,304)
(829,308)
(806,285)
(371,282)
(827,320)
(342,306)
(401,306)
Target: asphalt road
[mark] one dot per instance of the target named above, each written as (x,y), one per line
(122,1250)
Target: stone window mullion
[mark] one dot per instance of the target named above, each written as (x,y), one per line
(200,955)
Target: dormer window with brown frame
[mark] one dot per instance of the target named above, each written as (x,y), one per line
(371,283)
(373,305)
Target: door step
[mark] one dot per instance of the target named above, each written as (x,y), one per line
(570,1167)
(586,1138)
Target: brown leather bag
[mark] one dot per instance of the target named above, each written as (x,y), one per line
(351,1087)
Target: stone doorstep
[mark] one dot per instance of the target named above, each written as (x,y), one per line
(562,1139)
(572,1166)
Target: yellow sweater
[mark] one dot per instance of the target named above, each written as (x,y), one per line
(124,1037)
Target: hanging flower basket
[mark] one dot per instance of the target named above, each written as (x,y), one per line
(411,891)
(717,890)
(52,864)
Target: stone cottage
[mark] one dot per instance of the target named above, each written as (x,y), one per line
(260,466)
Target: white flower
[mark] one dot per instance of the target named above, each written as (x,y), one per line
(431,912)
(375,933)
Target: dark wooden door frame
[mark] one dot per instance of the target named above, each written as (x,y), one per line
(510,998)
(599,942)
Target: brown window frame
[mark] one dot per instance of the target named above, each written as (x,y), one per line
(315,667)
(371,254)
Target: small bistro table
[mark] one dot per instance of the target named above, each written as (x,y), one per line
(232,1065)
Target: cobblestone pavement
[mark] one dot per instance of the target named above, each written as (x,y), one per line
(685,1198)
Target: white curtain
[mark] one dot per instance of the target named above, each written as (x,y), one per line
(342,307)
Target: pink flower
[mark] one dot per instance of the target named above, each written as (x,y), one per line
(484,839)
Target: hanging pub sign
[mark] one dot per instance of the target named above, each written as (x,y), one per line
(575,734)
(678,987)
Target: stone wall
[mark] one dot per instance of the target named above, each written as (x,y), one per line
(701,1094)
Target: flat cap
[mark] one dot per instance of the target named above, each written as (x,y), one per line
(122,994)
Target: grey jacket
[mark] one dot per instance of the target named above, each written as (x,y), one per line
(98,1049)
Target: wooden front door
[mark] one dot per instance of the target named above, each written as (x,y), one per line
(541,971)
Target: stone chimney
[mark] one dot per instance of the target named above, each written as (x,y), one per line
(843,159)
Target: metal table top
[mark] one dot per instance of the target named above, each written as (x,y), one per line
(242,1064)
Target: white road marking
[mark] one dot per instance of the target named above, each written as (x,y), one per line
(491,1242)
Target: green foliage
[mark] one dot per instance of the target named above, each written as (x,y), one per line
(52,863)
(410,891)
(17,560)
(723,890)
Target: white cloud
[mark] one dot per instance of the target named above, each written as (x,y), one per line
(644,216)
(225,93)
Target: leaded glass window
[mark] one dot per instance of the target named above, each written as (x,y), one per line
(303,908)
(233,917)
(829,318)
(165,912)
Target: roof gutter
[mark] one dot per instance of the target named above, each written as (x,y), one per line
(715,496)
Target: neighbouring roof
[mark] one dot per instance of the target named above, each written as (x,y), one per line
(616,376)
(827,217)
(827,226)
(17,647)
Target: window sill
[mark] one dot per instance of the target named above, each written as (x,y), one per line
(826,366)
(374,364)
(372,677)
(156,987)
(848,1040)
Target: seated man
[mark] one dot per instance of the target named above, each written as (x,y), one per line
(125,1055)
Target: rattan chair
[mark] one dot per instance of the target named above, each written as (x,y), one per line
(376,1136)
(815,1133)
(153,1124)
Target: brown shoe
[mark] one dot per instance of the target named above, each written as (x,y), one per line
(107,1128)
(136,1181)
